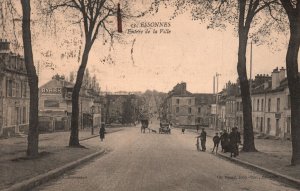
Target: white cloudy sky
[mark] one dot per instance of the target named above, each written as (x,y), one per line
(191,53)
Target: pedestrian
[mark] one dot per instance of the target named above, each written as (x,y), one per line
(224,141)
(102,132)
(203,139)
(182,130)
(197,128)
(216,140)
(197,143)
(238,140)
(233,142)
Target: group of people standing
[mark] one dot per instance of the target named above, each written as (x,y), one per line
(229,142)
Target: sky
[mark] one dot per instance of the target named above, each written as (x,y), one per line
(190,53)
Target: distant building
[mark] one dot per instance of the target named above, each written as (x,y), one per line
(14,92)
(187,109)
(120,108)
(55,106)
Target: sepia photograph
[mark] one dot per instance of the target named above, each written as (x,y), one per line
(149,95)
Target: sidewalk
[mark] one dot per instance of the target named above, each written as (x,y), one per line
(274,155)
(54,153)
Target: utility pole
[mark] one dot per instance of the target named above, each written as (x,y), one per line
(217,97)
(251,69)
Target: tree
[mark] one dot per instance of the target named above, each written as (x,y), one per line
(33,134)
(128,110)
(94,15)
(292,9)
(241,14)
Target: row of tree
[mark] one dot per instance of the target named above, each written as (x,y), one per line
(246,15)
(243,14)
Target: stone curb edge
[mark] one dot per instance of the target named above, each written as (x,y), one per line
(84,139)
(274,174)
(42,178)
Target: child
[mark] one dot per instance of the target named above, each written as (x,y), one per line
(216,140)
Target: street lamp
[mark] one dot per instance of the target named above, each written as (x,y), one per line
(92,113)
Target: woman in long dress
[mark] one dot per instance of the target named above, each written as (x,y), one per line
(102,132)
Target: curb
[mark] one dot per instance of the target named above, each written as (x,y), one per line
(87,138)
(42,178)
(273,174)
(84,139)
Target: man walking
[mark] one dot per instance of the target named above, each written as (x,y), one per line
(102,132)
(203,139)
(216,140)
(224,141)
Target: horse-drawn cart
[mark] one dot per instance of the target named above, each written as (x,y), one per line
(164,128)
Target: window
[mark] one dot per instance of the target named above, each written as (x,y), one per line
(261,124)
(190,101)
(18,93)
(177,101)
(268,125)
(237,106)
(278,104)
(177,109)
(24,116)
(257,106)
(199,109)
(269,105)
(13,89)
(9,88)
(24,89)
(190,110)
(51,103)
(262,105)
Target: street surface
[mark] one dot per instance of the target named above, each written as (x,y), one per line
(154,162)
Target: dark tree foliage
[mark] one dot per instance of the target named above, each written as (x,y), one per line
(128,110)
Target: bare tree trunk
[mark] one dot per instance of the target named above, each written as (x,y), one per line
(244,27)
(248,145)
(294,88)
(74,139)
(33,134)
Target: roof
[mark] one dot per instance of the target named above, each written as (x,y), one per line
(204,98)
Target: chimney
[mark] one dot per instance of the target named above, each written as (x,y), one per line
(281,74)
(183,86)
(275,79)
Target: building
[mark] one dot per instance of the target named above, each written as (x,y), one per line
(271,109)
(14,93)
(271,112)
(186,109)
(55,106)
